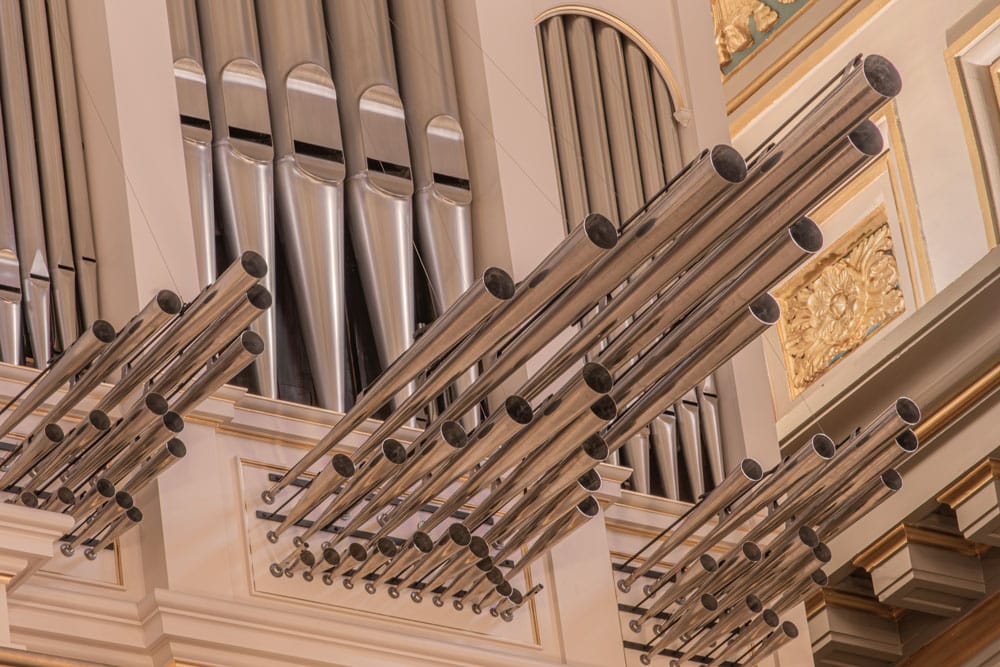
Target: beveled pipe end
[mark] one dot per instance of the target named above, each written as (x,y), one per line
(385,546)
(790,629)
(99,419)
(590,480)
(422,541)
(494,576)
(766,309)
(729,163)
(356,551)
(173,422)
(808,536)
(66,495)
(103,331)
(751,469)
(28,499)
(103,486)
(252,342)
(254,264)
(518,409)
(589,506)
(454,434)
(709,602)
(169,302)
(882,76)
(708,562)
(824,446)
(459,534)
(819,578)
(342,464)
(753,603)
(822,553)
(601,231)
(155,403)
(260,297)
(498,283)
(770,617)
(867,139)
(892,480)
(807,235)
(597,377)
(596,448)
(604,408)
(908,410)
(752,552)
(478,547)
(124,500)
(394,451)
(54,432)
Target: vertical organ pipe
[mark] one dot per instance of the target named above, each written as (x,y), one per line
(711,427)
(442,193)
(309,176)
(10,269)
(196,130)
(242,147)
(19,129)
(77,190)
(664,445)
(379,184)
(59,243)
(647,137)
(689,426)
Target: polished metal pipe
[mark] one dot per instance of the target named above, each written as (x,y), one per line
(636,450)
(309,179)
(689,429)
(464,317)
(382,551)
(447,445)
(328,560)
(140,416)
(454,539)
(467,557)
(219,371)
(410,554)
(67,366)
(543,499)
(711,427)
(157,434)
(173,451)
(136,333)
(353,556)
(196,130)
(515,599)
(207,308)
(30,452)
(557,530)
(299,558)
(501,590)
(77,189)
(442,198)
(481,568)
(337,473)
(19,135)
(393,455)
(86,433)
(733,616)
(735,485)
(744,563)
(494,432)
(807,559)
(200,351)
(506,609)
(764,622)
(718,348)
(10,270)
(785,633)
(98,522)
(832,523)
(665,445)
(799,592)
(491,579)
(693,580)
(547,282)
(116,529)
(242,146)
(81,508)
(51,173)
(684,621)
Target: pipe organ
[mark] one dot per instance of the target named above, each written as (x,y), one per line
(48,287)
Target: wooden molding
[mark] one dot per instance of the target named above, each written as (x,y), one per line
(903,534)
(962,641)
(831,597)
(970,483)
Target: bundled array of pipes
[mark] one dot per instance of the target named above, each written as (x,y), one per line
(48,270)
(173,356)
(729,609)
(733,232)
(292,112)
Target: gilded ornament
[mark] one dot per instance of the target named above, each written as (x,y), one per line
(732,24)
(839,304)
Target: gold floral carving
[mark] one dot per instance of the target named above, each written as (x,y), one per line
(841,301)
(732,25)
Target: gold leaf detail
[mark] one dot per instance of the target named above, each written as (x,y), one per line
(839,304)
(732,25)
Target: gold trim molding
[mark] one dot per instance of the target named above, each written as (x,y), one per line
(903,534)
(831,597)
(970,483)
(640,40)
(958,644)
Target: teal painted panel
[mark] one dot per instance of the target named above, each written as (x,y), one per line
(737,29)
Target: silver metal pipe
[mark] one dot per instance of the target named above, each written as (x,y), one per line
(328,560)
(442,199)
(450,442)
(664,442)
(494,432)
(807,559)
(557,530)
(764,622)
(506,609)
(736,484)
(141,416)
(515,599)
(19,131)
(464,317)
(689,619)
(86,433)
(796,594)
(637,450)
(491,579)
(392,455)
(218,371)
(81,508)
(196,130)
(693,580)
(333,476)
(785,633)
(161,431)
(98,522)
(168,455)
(548,281)
(746,561)
(77,190)
(10,269)
(541,499)
(59,243)
(298,560)
(711,429)
(309,178)
(116,529)
(242,146)
(200,351)
(381,552)
(689,427)
(30,453)
(207,308)
(70,363)
(467,557)
(501,590)
(411,554)
(453,540)
(832,524)
(734,616)
(480,570)
(136,333)
(353,556)
(379,185)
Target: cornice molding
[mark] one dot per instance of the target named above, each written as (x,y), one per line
(970,483)
(902,535)
(961,642)
(831,597)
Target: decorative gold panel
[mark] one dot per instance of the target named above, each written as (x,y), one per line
(839,302)
(743,25)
